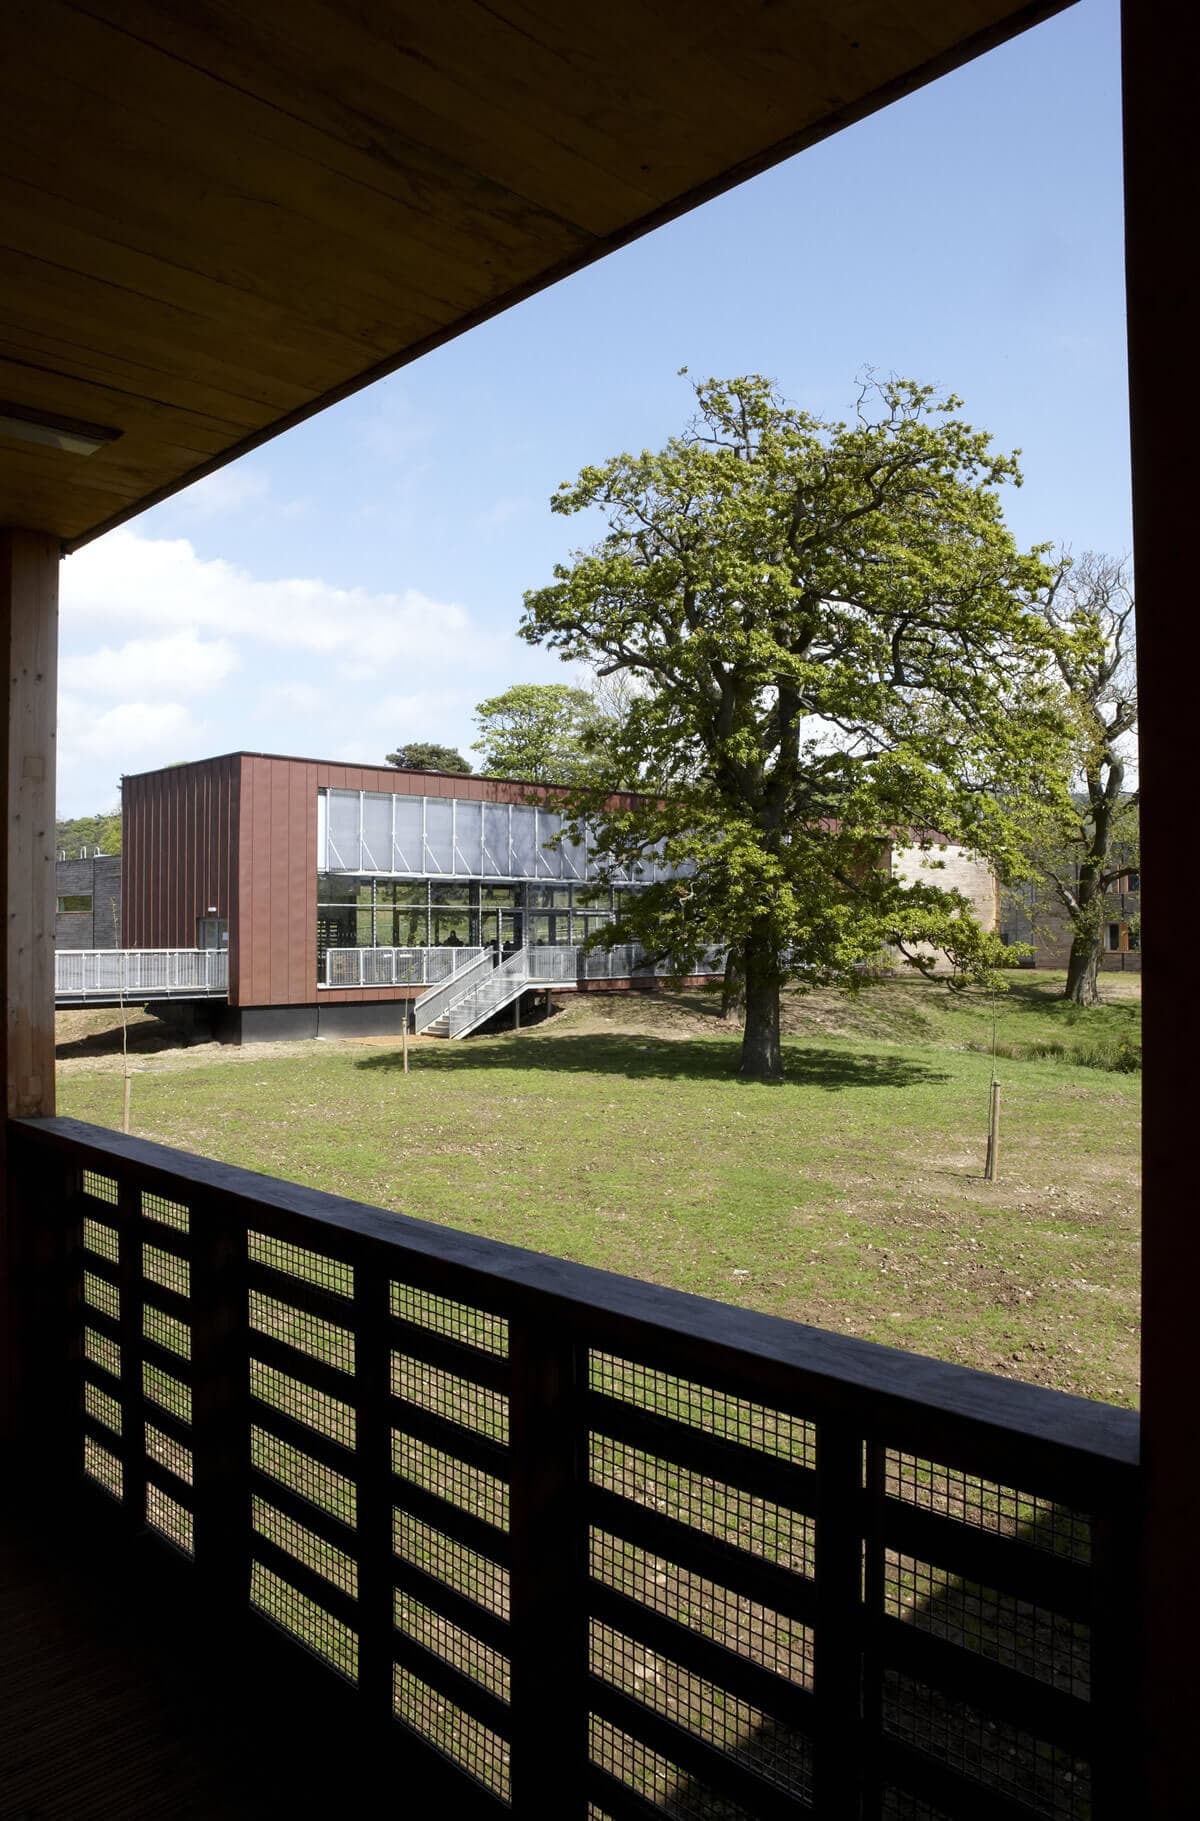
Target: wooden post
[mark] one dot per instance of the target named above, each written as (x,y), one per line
(1162,171)
(404,1033)
(29,639)
(992,1166)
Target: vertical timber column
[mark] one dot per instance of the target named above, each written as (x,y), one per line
(1160,44)
(29,640)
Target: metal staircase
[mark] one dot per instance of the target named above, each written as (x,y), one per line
(459,1006)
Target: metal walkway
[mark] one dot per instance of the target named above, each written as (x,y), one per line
(134,976)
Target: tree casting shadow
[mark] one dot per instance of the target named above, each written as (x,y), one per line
(656,1058)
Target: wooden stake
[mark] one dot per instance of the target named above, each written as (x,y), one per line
(992,1167)
(404,1034)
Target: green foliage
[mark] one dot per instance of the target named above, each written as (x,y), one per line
(427,755)
(101,830)
(543,732)
(833,638)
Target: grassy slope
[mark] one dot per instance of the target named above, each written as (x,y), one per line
(615,1133)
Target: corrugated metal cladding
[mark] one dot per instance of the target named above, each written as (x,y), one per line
(178,852)
(240,832)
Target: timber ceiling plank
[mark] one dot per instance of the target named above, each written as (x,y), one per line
(216,218)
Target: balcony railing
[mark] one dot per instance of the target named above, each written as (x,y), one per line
(108,974)
(604,1548)
(396,966)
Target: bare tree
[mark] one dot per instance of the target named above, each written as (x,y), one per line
(1091,610)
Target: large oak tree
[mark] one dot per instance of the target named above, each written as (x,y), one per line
(832,639)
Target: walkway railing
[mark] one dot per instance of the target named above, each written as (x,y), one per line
(587,1540)
(106,974)
(430,1006)
(489,993)
(396,966)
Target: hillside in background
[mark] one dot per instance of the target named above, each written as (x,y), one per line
(102,831)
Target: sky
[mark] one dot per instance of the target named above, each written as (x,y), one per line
(358,582)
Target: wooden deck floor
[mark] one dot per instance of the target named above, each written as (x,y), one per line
(109,1713)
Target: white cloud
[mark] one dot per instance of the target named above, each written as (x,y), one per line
(181,663)
(291,698)
(154,733)
(162,583)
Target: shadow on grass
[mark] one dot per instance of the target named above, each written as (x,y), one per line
(656,1058)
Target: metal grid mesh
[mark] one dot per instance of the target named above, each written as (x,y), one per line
(898,1805)
(169,1454)
(752,1630)
(331,1564)
(168,1213)
(755,1524)
(988,1506)
(474,1747)
(101,1407)
(102,1239)
(455,1646)
(164,1389)
(298,1261)
(165,1269)
(170,1519)
(312,1480)
(451,1562)
(102,1351)
(456,1399)
(1038,1642)
(328,1415)
(166,1331)
(456,1321)
(1002,1757)
(482,1494)
(662,1783)
(741,1732)
(310,1334)
(100,1188)
(98,1293)
(737,1419)
(103,1467)
(317,1629)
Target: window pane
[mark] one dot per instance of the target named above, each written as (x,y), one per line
(468,838)
(451,928)
(500,894)
(377,832)
(524,842)
(406,851)
(495,840)
(451,894)
(439,853)
(334,889)
(344,851)
(549,859)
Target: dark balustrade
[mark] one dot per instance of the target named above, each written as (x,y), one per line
(607,1549)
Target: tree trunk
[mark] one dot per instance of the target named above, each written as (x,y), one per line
(762,1059)
(733,993)
(1083,967)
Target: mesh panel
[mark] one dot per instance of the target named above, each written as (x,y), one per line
(773,1432)
(98,1293)
(101,1188)
(303,1403)
(319,1484)
(745,1626)
(447,1395)
(170,1519)
(448,1478)
(299,1261)
(482,1753)
(742,1732)
(311,1334)
(742,1518)
(169,1454)
(102,1467)
(898,1805)
(451,1562)
(1029,1638)
(332,1564)
(167,1213)
(1002,1757)
(456,1321)
(656,1778)
(169,1392)
(103,1408)
(326,1636)
(165,1331)
(101,1239)
(102,1352)
(454,1645)
(165,1269)
(988,1506)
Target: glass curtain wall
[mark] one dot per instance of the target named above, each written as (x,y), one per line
(358,912)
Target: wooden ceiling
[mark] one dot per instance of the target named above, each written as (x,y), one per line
(218,217)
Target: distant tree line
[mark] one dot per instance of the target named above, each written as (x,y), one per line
(102,830)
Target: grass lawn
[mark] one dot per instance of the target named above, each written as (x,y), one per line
(616,1133)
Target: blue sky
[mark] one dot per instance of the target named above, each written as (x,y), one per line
(359,581)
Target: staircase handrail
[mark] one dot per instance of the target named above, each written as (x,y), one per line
(489,994)
(430,1006)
